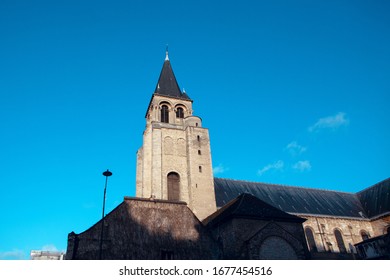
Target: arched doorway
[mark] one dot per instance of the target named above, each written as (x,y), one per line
(173,186)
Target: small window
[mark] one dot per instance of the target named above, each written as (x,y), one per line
(199,152)
(364,235)
(180,113)
(198,138)
(200,169)
(166,255)
(196,124)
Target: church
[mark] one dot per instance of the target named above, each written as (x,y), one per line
(181,211)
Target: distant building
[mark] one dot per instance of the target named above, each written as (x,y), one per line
(46,255)
(182,212)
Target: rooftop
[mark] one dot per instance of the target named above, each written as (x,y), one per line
(369,203)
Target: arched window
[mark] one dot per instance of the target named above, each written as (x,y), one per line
(310,239)
(173,186)
(364,234)
(179,113)
(164,114)
(340,241)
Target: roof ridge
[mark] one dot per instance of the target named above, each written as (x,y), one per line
(287,186)
(240,200)
(373,186)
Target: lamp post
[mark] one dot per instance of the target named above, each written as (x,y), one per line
(106,174)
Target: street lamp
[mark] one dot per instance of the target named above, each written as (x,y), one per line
(106,174)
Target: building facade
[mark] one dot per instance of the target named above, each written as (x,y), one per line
(46,255)
(182,212)
(174,162)
(335,221)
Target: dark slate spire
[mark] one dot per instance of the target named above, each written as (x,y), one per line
(167,84)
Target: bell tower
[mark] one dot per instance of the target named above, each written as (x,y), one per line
(174,162)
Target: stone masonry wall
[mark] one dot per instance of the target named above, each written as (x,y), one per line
(242,238)
(323,230)
(145,229)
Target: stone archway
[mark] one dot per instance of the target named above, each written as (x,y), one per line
(276,248)
(275,243)
(173,186)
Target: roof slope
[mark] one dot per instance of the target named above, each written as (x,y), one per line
(376,199)
(292,199)
(249,206)
(167,84)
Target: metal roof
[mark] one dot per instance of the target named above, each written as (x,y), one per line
(295,200)
(376,199)
(250,207)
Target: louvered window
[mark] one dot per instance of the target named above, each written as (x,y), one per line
(179,113)
(164,114)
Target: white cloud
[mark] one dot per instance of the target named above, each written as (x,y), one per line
(274,166)
(219,169)
(295,149)
(302,165)
(12,255)
(331,122)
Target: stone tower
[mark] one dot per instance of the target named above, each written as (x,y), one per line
(174,162)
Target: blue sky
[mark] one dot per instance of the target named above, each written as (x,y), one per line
(293,92)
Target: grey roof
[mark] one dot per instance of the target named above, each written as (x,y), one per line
(249,206)
(376,199)
(295,200)
(167,84)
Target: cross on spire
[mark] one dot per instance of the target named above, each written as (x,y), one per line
(167,84)
(166,53)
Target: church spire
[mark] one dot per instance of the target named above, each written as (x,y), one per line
(167,84)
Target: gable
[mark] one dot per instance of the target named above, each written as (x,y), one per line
(250,207)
